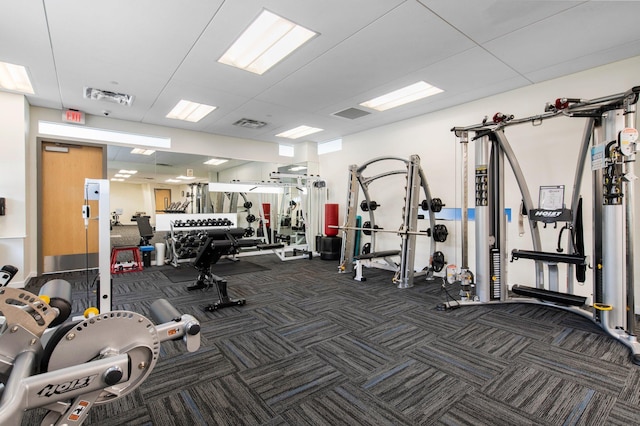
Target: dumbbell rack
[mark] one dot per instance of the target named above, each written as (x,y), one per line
(186,235)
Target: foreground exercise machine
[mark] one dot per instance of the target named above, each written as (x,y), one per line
(68,367)
(610,140)
(219,242)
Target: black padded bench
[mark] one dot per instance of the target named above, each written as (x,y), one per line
(550,257)
(274,246)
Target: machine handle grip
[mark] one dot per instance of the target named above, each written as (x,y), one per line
(162,311)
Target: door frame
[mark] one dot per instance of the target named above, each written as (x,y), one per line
(39,142)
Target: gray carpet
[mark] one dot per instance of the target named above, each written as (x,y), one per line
(186,272)
(314,347)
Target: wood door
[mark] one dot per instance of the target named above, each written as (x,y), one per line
(163,200)
(65,242)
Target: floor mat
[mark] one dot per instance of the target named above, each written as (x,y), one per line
(189,273)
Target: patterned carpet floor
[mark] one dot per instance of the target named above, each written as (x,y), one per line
(314,347)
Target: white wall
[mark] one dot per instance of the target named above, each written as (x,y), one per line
(14,243)
(546,153)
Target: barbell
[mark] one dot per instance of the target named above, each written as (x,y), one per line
(440,231)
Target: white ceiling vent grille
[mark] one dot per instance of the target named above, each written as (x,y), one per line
(249,123)
(105,95)
(351,113)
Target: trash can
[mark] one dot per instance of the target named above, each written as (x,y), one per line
(146,255)
(160,247)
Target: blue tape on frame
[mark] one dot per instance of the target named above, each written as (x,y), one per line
(456,214)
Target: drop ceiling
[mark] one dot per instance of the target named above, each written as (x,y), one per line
(161,51)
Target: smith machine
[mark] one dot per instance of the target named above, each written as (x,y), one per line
(408,230)
(610,141)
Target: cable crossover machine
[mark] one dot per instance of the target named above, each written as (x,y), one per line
(609,142)
(408,230)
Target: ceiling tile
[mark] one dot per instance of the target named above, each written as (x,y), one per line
(569,35)
(485,20)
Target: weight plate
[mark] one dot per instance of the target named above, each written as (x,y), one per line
(115,332)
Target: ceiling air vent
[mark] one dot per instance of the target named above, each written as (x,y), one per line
(351,113)
(105,95)
(249,123)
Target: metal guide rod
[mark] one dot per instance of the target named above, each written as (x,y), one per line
(629,207)
(464,140)
(481,164)
(409,222)
(499,252)
(349,235)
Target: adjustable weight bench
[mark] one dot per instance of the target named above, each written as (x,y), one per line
(219,242)
(280,250)
(363,259)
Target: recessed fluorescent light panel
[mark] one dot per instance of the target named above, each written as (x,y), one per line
(15,78)
(190,111)
(215,161)
(142,151)
(268,40)
(121,175)
(128,172)
(402,96)
(185,177)
(117,180)
(297,168)
(299,132)
(172,180)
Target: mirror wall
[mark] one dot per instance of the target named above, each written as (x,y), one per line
(169,181)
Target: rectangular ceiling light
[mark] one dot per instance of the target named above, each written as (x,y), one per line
(190,111)
(142,151)
(122,175)
(128,172)
(215,161)
(15,78)
(173,181)
(267,41)
(299,132)
(101,135)
(402,96)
